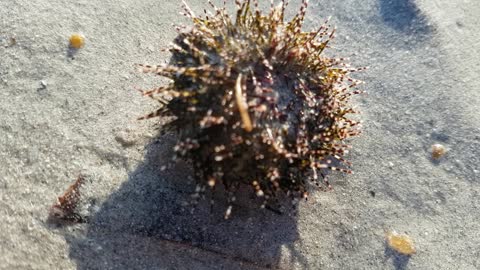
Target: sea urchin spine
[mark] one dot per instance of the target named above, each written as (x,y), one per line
(256,102)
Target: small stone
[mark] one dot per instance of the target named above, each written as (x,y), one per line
(438,151)
(43,84)
(77,41)
(12,41)
(125,139)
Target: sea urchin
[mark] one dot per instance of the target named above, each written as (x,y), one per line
(255,101)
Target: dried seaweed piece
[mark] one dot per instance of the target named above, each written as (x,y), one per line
(400,243)
(65,209)
(255,101)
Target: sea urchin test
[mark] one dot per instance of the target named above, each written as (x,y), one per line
(255,101)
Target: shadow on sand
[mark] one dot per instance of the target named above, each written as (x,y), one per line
(148,224)
(399,261)
(404,16)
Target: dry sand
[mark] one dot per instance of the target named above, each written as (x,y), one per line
(423,89)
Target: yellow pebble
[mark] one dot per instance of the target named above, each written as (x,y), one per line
(401,243)
(77,41)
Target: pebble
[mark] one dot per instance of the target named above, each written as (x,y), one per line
(125,138)
(438,151)
(77,41)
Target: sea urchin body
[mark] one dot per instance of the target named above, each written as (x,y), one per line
(256,102)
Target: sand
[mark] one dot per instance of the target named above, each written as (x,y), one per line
(65,113)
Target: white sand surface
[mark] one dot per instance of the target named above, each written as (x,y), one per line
(423,89)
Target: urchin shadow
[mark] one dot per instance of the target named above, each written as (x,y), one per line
(135,227)
(404,16)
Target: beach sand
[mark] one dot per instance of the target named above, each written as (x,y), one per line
(65,113)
